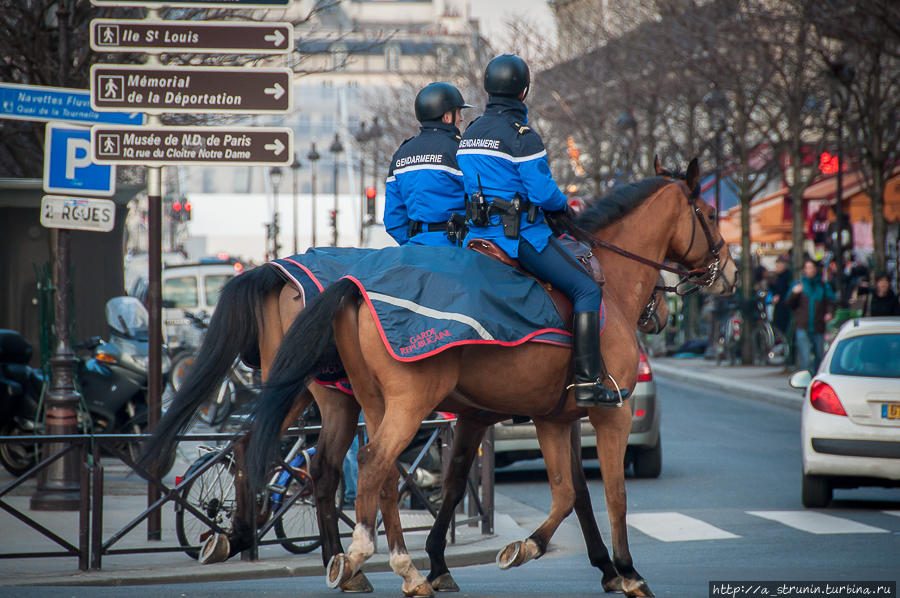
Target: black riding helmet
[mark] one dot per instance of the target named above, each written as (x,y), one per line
(507,75)
(437,98)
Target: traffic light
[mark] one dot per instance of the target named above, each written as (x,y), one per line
(332,215)
(370,203)
(187,212)
(181,212)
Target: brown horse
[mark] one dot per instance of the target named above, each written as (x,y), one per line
(668,215)
(253,314)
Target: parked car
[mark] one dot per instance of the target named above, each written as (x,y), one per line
(518,441)
(192,286)
(850,421)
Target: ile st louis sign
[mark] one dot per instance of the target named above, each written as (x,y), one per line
(159,146)
(190,89)
(205,37)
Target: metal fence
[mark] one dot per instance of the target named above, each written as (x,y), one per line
(93,450)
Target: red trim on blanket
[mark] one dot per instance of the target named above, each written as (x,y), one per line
(433,352)
(339,385)
(308,273)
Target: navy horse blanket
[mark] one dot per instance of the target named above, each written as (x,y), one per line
(428,299)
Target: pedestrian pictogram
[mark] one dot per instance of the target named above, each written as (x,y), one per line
(109,35)
(111,88)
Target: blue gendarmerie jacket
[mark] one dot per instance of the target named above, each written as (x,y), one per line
(425,184)
(509,158)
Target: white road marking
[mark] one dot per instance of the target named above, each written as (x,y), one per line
(818,523)
(894,513)
(676,527)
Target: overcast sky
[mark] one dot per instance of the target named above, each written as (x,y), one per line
(494,14)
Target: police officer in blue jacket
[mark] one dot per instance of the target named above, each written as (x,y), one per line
(424,201)
(508,182)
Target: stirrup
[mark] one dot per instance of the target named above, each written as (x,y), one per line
(607,398)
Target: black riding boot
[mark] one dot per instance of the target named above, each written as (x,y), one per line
(590,372)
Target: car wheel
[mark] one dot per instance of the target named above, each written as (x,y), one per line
(648,461)
(816,491)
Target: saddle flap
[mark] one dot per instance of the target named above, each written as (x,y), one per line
(560,301)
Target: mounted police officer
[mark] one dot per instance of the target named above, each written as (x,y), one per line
(508,182)
(424,199)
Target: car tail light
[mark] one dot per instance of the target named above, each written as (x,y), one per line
(639,413)
(823,398)
(644,373)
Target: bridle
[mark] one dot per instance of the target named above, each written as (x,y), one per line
(689,281)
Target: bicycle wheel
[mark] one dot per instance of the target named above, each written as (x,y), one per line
(217,409)
(762,344)
(300,520)
(213,494)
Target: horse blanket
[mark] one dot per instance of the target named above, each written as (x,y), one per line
(428,299)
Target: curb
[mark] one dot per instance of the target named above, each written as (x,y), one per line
(774,396)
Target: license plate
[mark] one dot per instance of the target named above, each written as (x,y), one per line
(890,411)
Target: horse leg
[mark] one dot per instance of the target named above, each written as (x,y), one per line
(584,510)
(467,438)
(612,427)
(555,441)
(340,414)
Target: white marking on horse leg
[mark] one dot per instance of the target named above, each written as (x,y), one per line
(403,566)
(362,547)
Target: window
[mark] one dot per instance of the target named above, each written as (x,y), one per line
(875,355)
(339,57)
(392,58)
(180,291)
(212,286)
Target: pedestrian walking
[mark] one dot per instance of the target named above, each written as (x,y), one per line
(811,301)
(882,300)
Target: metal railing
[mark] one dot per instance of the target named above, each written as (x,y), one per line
(92,546)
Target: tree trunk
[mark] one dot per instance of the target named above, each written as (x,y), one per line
(879,227)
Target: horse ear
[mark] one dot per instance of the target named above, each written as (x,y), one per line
(693,174)
(657,166)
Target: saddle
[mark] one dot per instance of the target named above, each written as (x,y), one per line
(560,301)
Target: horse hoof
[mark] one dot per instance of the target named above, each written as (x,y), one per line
(444,583)
(636,587)
(358,584)
(613,585)
(512,555)
(215,550)
(423,590)
(340,570)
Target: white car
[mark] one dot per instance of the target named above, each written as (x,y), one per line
(850,422)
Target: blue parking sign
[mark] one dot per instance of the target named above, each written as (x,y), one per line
(67,163)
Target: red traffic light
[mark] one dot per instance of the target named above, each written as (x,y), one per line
(187,206)
(176,206)
(370,192)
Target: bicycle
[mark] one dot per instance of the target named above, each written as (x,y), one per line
(287,506)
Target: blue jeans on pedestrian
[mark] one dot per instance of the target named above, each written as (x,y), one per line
(351,469)
(810,349)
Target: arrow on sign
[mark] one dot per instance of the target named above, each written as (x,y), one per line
(276,37)
(276,92)
(276,147)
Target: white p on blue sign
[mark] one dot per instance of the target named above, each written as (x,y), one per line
(67,163)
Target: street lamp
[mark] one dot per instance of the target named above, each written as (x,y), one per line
(840,78)
(336,148)
(295,167)
(716,106)
(313,157)
(275,175)
(627,126)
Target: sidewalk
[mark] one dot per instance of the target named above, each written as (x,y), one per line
(760,383)
(124,501)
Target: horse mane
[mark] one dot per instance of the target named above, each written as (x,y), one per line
(600,212)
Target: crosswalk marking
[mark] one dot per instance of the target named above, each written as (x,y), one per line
(676,527)
(894,513)
(818,523)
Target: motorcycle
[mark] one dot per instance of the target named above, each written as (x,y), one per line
(111,378)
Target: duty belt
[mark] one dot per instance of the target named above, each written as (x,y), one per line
(455,228)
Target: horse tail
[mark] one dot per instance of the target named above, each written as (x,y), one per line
(233,331)
(306,348)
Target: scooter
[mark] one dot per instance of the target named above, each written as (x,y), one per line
(112,381)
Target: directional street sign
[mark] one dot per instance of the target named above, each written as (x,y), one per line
(37,102)
(80,213)
(68,167)
(206,37)
(236,4)
(158,146)
(212,89)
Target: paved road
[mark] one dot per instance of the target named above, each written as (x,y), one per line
(727,507)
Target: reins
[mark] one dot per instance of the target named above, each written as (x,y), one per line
(702,277)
